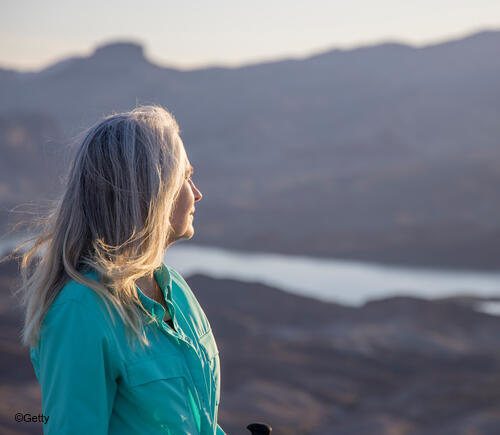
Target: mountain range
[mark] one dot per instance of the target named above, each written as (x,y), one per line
(385,153)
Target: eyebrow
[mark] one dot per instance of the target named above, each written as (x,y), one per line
(189,170)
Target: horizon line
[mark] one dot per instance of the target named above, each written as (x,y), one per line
(252,61)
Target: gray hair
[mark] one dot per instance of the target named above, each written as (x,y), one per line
(113,217)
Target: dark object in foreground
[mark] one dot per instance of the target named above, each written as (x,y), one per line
(259,429)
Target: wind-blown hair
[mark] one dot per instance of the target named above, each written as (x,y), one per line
(113,217)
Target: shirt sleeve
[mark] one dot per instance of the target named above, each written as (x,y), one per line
(75,372)
(220,431)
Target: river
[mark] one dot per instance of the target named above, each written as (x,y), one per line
(342,281)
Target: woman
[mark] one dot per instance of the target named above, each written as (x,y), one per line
(118,341)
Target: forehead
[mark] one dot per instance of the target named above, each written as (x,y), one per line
(184,156)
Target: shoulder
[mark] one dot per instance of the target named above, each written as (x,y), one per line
(75,334)
(80,292)
(77,317)
(77,303)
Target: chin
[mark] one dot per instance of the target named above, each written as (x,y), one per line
(185,236)
(188,235)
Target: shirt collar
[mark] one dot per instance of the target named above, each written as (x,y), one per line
(164,280)
(162,276)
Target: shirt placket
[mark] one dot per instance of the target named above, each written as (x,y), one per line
(196,376)
(197,367)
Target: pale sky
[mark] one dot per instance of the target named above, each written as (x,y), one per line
(188,34)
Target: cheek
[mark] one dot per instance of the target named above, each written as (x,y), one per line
(182,210)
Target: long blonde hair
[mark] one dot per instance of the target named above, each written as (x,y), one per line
(113,217)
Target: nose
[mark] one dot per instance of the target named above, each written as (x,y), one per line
(197,194)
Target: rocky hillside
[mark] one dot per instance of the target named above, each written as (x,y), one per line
(400,366)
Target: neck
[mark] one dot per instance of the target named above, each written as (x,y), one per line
(148,285)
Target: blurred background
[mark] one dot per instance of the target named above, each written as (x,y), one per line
(347,247)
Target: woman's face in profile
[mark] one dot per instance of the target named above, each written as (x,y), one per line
(184,208)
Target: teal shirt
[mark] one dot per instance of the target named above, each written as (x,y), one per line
(93,382)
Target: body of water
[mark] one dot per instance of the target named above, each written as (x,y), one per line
(342,281)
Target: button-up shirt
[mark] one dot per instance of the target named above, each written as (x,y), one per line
(93,381)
